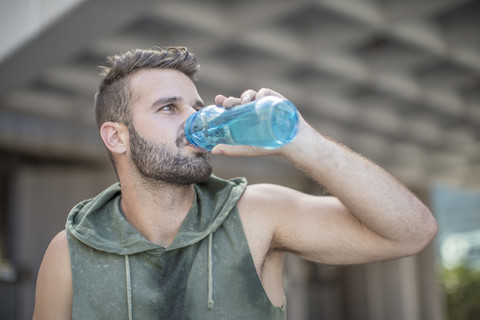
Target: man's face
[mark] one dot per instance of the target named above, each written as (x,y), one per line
(158,147)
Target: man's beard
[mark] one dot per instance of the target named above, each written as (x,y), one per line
(160,162)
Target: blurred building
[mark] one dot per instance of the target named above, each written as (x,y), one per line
(396,80)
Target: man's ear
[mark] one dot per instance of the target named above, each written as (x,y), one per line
(115,136)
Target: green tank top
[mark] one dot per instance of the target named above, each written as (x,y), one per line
(206,273)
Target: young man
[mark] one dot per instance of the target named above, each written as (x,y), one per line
(172,241)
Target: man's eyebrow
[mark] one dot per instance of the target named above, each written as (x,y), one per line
(166,100)
(197,105)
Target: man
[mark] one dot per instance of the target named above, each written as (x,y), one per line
(172,241)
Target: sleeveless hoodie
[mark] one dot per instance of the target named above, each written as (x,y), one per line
(207,272)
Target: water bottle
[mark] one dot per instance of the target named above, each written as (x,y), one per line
(269,122)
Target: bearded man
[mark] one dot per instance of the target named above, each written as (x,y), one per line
(172,241)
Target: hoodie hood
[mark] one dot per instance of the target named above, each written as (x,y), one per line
(100,223)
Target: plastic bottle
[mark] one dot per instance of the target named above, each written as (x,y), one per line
(269,122)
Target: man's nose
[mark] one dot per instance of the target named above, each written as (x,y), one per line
(188,113)
(191,111)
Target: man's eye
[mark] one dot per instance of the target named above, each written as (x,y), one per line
(168,108)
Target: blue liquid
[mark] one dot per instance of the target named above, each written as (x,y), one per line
(270,123)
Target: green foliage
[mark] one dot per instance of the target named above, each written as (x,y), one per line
(462,293)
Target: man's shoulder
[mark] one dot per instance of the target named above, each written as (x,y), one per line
(269,194)
(266,203)
(58,247)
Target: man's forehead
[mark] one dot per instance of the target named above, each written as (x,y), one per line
(163,83)
(158,77)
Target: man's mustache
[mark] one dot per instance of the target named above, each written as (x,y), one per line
(181,140)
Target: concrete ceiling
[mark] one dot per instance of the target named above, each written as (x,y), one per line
(396,80)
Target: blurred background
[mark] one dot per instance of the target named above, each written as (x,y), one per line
(396,80)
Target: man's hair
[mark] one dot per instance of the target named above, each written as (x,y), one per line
(113,99)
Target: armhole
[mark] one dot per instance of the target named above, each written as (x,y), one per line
(281,308)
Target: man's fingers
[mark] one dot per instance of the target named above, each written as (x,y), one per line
(268,92)
(240,151)
(219,99)
(245,97)
(231,102)
(248,96)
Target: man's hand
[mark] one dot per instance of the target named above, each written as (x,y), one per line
(246,97)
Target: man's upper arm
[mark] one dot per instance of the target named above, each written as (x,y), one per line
(53,297)
(319,228)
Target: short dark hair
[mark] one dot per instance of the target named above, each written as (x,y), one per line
(113,99)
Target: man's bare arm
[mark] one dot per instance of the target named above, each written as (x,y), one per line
(53,297)
(371,216)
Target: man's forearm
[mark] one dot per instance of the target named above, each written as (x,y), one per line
(376,198)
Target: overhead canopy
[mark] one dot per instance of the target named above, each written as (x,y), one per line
(396,80)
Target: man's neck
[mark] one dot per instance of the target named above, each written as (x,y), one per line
(156,210)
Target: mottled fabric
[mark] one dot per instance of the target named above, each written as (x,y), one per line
(206,273)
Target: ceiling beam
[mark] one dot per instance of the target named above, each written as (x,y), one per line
(63,39)
(414,9)
(422,35)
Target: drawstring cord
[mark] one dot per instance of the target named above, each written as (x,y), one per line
(129,287)
(210,275)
